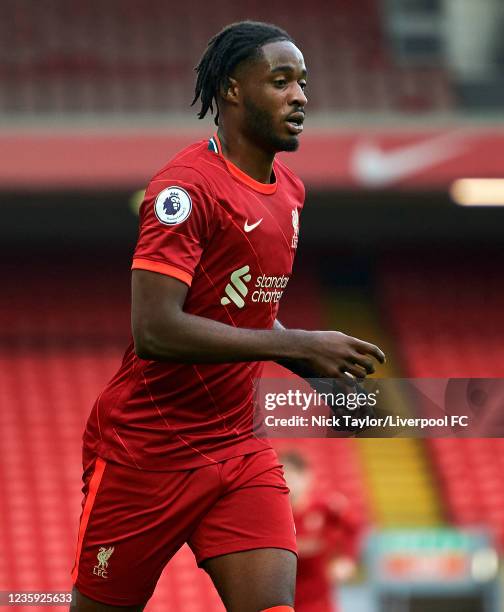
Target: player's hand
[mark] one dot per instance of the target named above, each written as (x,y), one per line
(341,570)
(335,355)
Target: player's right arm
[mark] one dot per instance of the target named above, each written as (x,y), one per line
(162,331)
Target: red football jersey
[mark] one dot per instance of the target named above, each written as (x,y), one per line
(232,240)
(324,529)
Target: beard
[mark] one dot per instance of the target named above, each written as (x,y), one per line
(261,129)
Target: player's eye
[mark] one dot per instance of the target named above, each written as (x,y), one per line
(302,84)
(280,83)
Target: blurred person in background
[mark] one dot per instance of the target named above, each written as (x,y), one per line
(328,537)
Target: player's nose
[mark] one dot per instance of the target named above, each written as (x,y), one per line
(298,97)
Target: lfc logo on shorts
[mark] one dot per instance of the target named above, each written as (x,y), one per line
(103,556)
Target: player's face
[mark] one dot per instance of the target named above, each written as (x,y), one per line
(274,98)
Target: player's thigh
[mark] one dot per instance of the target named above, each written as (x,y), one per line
(247,542)
(253,513)
(254,580)
(81,603)
(133,522)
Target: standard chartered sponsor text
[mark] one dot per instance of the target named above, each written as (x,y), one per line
(266,288)
(269,288)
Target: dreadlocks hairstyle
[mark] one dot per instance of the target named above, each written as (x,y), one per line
(234,44)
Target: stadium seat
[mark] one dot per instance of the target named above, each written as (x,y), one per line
(459,333)
(91,60)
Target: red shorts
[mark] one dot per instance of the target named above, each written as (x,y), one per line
(134,521)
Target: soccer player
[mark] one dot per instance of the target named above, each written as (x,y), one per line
(328,536)
(170,456)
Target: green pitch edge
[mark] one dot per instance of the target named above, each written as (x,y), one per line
(400,485)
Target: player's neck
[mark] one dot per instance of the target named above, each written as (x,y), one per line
(251,159)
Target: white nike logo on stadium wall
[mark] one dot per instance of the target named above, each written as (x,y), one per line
(249,228)
(376,168)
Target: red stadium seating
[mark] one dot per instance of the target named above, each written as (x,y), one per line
(106,57)
(447,317)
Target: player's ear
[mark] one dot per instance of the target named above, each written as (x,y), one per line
(230,90)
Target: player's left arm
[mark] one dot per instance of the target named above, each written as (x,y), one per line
(297,367)
(301,369)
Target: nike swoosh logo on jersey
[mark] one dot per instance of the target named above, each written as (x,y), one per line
(249,228)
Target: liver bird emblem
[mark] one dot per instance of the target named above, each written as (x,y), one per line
(103,556)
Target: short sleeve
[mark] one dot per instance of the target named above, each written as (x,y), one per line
(175,224)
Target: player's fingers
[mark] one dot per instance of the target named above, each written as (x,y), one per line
(344,383)
(364,362)
(354,370)
(370,349)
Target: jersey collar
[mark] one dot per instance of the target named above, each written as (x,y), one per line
(266,188)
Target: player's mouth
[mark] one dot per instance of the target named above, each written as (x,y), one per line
(295,122)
